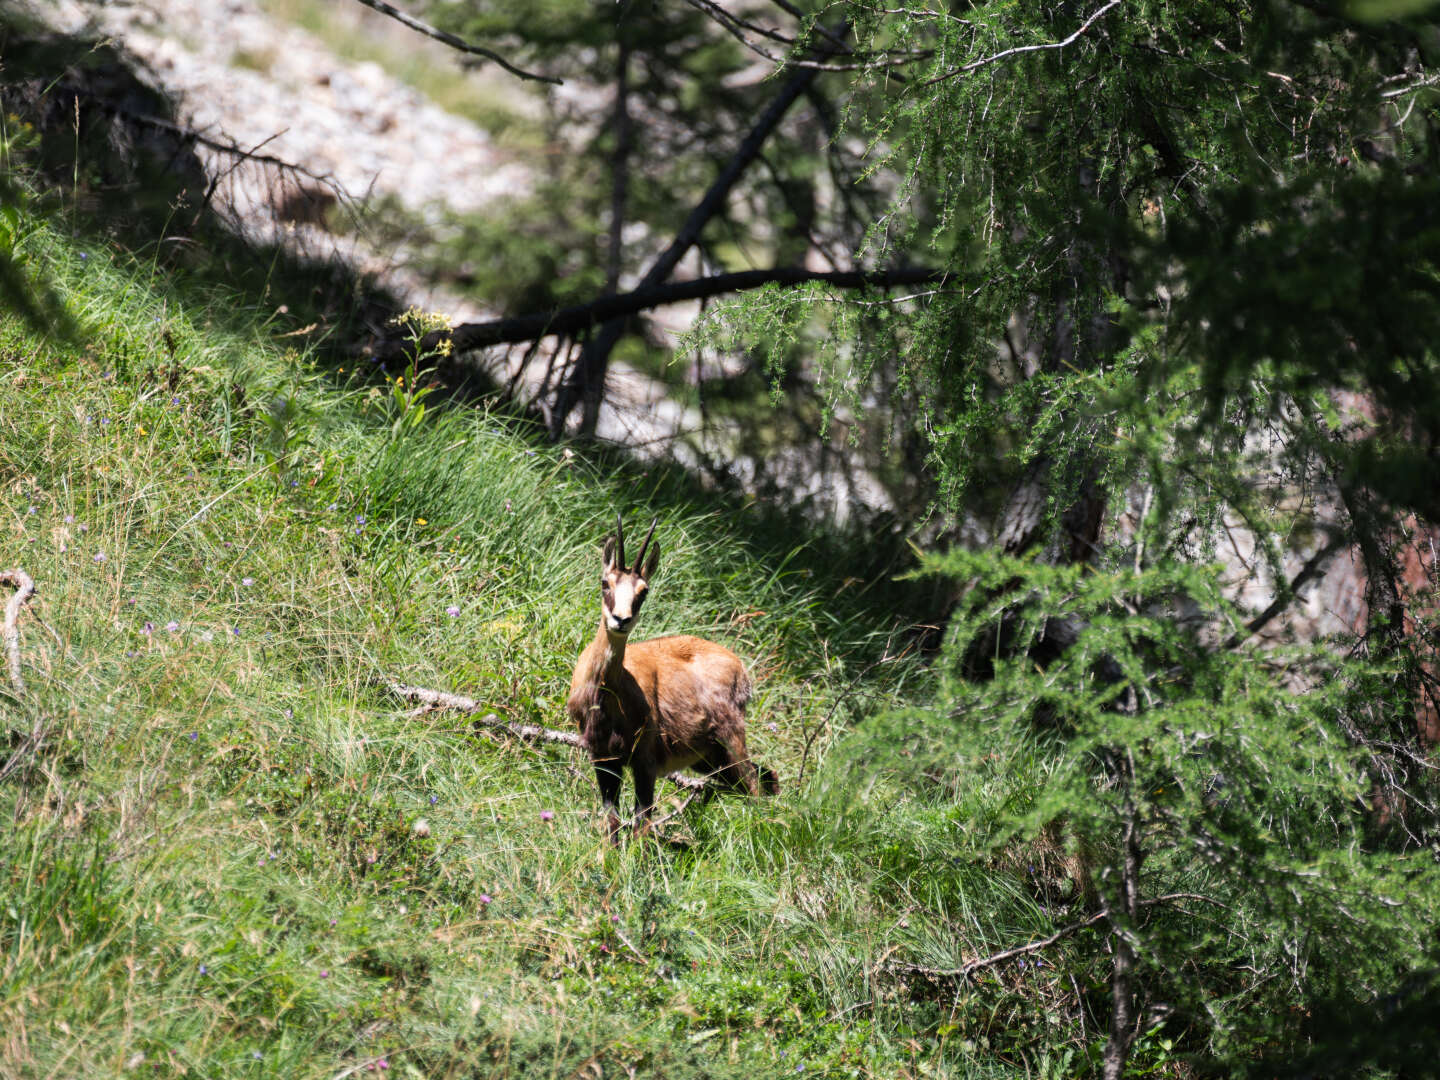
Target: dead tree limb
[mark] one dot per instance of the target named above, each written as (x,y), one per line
(24,586)
(576,319)
(1309,570)
(439,699)
(454,42)
(965,970)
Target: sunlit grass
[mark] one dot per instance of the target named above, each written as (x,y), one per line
(215,862)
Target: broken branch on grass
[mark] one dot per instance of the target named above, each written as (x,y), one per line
(454,42)
(24,589)
(439,699)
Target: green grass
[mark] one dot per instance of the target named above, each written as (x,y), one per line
(211,864)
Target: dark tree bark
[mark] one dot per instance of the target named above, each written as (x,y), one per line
(622,130)
(579,318)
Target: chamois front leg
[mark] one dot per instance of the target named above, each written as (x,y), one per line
(608,777)
(644,794)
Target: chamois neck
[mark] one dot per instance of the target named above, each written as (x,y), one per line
(609,652)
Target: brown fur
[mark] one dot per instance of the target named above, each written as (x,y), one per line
(659,705)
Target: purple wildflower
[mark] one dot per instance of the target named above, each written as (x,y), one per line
(148,628)
(485,898)
(99,556)
(247,581)
(547,815)
(452,611)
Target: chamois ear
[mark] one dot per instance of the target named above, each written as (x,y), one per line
(607,557)
(652,561)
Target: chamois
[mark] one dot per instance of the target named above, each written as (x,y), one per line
(659,705)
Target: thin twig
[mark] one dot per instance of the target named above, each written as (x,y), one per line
(454,42)
(24,589)
(679,809)
(984,60)
(964,971)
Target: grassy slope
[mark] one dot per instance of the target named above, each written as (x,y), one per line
(210,866)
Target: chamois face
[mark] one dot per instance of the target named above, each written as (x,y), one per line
(622,588)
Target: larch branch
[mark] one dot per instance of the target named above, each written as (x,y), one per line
(1004,53)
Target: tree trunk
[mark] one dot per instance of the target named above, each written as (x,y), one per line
(586,381)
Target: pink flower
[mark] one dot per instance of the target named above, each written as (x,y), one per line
(547,815)
(485,898)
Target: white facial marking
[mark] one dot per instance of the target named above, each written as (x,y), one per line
(622,602)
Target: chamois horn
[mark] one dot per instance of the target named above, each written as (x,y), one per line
(619,542)
(640,558)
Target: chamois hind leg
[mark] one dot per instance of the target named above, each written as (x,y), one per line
(608,777)
(731,765)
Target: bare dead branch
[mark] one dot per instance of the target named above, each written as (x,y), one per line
(228,147)
(736,26)
(965,970)
(1003,54)
(439,699)
(1310,569)
(24,586)
(454,42)
(578,318)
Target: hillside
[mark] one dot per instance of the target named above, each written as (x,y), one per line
(215,863)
